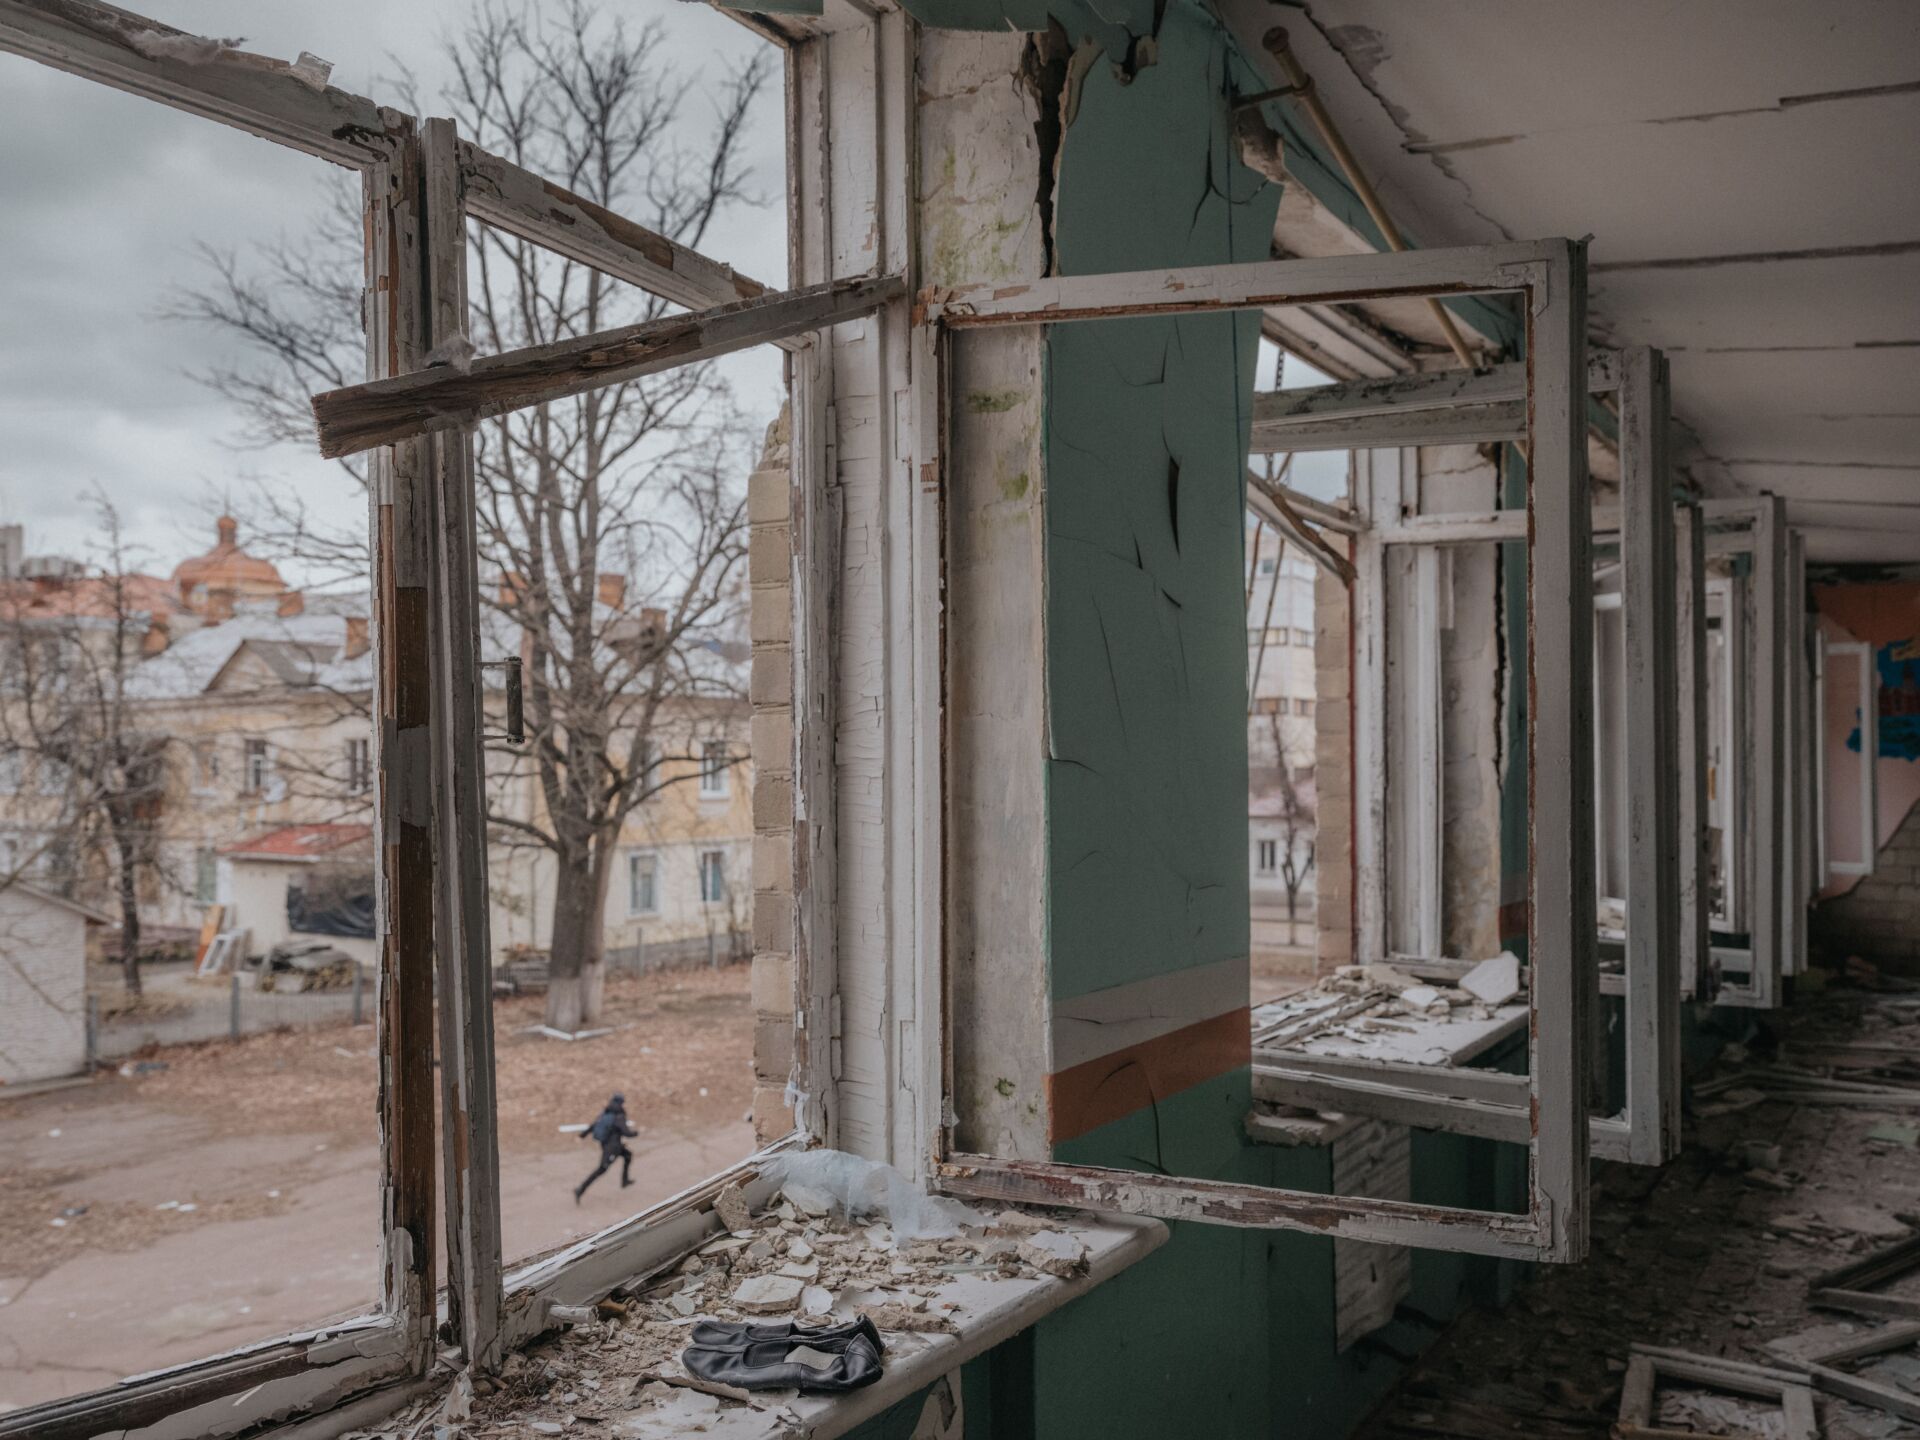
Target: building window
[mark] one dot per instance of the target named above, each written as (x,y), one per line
(1303,707)
(258,773)
(714,763)
(1268,565)
(206,765)
(359,766)
(1303,637)
(713,877)
(643,884)
(206,876)
(10,771)
(52,777)
(1269,857)
(9,858)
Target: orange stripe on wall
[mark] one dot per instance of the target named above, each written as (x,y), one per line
(1095,1092)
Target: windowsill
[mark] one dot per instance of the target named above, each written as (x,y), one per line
(986,1312)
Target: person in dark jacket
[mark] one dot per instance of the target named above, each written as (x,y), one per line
(611,1130)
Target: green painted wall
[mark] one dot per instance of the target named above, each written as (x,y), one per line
(1221,1333)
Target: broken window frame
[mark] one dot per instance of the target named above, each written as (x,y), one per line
(1665,947)
(1550,278)
(1861,652)
(1758,708)
(421,184)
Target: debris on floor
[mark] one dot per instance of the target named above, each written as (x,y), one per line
(1786,1237)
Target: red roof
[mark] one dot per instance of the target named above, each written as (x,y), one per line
(299,842)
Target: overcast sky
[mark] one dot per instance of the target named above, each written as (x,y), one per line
(99,216)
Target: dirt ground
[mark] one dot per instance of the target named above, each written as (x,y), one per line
(1711,1253)
(208,1195)
(1279,971)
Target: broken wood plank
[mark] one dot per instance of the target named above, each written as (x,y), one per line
(464,946)
(384,412)
(262,95)
(506,196)
(1862,1391)
(1218,1202)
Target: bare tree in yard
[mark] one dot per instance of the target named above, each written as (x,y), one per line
(1299,828)
(614,521)
(88,773)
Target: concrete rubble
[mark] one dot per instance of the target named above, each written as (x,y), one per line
(1719,1255)
(798,1258)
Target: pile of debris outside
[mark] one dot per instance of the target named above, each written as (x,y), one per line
(524,971)
(806,1256)
(302,965)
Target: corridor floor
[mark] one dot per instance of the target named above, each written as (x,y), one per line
(1712,1253)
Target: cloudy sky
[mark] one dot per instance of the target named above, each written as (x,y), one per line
(103,198)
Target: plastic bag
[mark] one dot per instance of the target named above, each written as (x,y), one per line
(861,1188)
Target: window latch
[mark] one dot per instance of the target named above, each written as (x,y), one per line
(516,733)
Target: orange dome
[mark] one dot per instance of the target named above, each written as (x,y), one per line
(227,567)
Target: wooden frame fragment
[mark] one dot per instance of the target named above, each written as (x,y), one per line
(1649,1364)
(1550,276)
(440,398)
(1822,1368)
(1850,1286)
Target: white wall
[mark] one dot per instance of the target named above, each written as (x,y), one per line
(43,988)
(255,894)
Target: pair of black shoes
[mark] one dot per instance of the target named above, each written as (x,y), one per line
(754,1357)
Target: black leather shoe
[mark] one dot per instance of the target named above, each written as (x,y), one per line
(754,1357)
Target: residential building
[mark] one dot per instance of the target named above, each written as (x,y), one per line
(261,693)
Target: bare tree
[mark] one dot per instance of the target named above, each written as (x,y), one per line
(614,522)
(88,775)
(1299,828)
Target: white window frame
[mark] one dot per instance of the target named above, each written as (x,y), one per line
(359,764)
(1835,655)
(256,765)
(1550,277)
(1763,676)
(636,860)
(1398,830)
(717,855)
(716,760)
(420,187)
(1262,850)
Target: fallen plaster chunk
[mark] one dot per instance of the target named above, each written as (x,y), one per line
(806,1199)
(816,1300)
(1495,981)
(1388,978)
(768,1294)
(895,1316)
(457,352)
(1054,1253)
(810,1270)
(1419,997)
(731,1206)
(188,49)
(310,70)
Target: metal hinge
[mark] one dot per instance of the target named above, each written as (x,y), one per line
(833,1036)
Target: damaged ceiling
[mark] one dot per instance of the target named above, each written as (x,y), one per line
(1747,175)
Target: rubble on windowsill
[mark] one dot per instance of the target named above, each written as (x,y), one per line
(615,1370)
(1384,1012)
